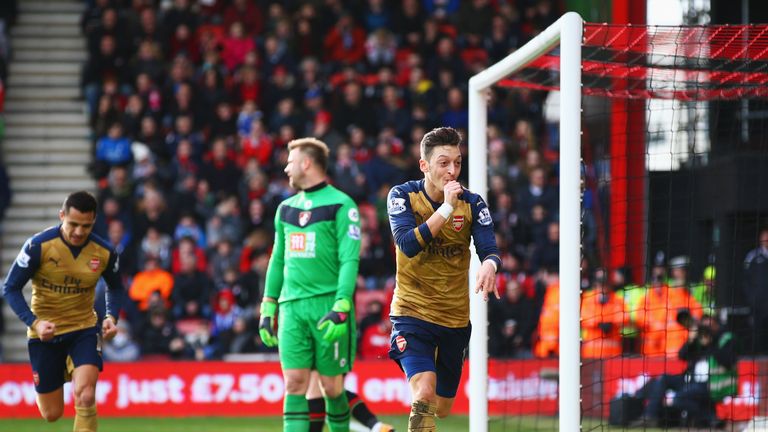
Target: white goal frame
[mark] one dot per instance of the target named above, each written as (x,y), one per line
(567,32)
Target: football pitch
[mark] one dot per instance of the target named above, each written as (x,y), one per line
(274,424)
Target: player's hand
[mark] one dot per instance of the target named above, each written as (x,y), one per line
(334,323)
(451,192)
(486,280)
(108,328)
(267,323)
(45,330)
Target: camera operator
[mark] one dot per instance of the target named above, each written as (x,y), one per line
(709,377)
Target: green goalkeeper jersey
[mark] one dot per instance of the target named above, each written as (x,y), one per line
(317,246)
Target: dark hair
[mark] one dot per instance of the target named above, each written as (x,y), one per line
(82,201)
(443,136)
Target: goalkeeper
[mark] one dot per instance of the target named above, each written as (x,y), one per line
(311,279)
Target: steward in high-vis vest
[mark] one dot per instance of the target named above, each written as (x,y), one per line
(602,318)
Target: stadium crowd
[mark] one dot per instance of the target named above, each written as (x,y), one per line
(192,104)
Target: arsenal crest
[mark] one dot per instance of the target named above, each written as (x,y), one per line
(304,217)
(36,378)
(94,264)
(401,343)
(458,222)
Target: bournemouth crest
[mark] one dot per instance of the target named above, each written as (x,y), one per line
(304,217)
(458,223)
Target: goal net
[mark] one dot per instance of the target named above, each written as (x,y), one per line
(653,141)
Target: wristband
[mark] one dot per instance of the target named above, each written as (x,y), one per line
(495,266)
(445,210)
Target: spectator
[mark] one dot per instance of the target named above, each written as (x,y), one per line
(159,336)
(219,169)
(224,123)
(756,289)
(106,65)
(235,46)
(375,341)
(122,348)
(546,254)
(225,224)
(602,319)
(538,192)
(148,61)
(155,245)
(256,145)
(152,279)
(120,239)
(704,292)
(242,339)
(188,246)
(224,257)
(548,330)
(188,228)
(382,170)
(621,282)
(249,287)
(710,376)
(192,290)
(112,150)
(661,334)
(354,110)
(512,320)
(225,313)
(153,212)
(345,43)
(247,13)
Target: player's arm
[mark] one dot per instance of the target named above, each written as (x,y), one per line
(273,285)
(348,241)
(25,265)
(487,250)
(410,238)
(114,295)
(335,322)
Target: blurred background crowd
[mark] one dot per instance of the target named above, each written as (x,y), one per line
(191,107)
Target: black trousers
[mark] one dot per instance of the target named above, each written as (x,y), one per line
(692,397)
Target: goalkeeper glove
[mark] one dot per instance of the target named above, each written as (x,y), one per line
(334,323)
(267,323)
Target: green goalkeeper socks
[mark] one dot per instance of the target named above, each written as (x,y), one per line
(295,413)
(337,413)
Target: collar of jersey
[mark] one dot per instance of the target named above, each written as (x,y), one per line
(74,249)
(316,187)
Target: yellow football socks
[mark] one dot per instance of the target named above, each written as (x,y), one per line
(422,418)
(85,419)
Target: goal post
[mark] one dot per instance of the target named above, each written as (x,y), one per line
(567,32)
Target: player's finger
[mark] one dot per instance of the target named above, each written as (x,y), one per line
(496,291)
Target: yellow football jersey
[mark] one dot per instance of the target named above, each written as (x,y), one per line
(432,273)
(64,280)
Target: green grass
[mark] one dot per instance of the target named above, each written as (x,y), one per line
(274,424)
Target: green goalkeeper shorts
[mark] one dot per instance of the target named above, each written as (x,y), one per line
(301,343)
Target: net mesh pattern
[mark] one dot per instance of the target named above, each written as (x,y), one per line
(662,62)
